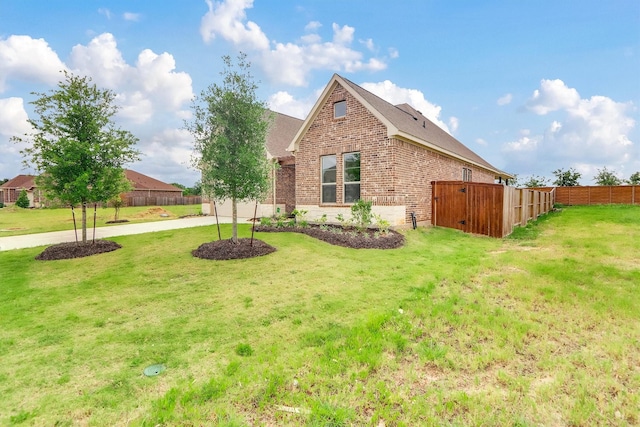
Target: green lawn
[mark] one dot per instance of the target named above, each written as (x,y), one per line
(452,329)
(15,221)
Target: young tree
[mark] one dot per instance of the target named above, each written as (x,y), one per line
(568,178)
(535,181)
(634,179)
(23,200)
(606,177)
(230,129)
(76,148)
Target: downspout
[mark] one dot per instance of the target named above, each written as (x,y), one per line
(273,184)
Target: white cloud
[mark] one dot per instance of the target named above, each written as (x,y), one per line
(101,60)
(313,26)
(553,95)
(283,102)
(368,43)
(150,86)
(226,18)
(287,62)
(13,122)
(105,12)
(590,132)
(397,95)
(130,16)
(482,142)
(393,53)
(524,143)
(28,59)
(454,122)
(13,117)
(505,100)
(342,35)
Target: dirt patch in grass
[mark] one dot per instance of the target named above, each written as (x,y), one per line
(226,249)
(151,213)
(77,250)
(347,237)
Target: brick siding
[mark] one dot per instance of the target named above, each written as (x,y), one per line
(392,172)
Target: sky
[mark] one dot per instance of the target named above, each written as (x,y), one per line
(532,87)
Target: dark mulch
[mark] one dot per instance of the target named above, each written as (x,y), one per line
(117,221)
(347,237)
(226,249)
(77,250)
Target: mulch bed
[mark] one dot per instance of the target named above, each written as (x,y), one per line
(346,237)
(77,250)
(226,249)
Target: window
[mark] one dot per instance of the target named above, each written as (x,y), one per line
(351,177)
(328,165)
(466,174)
(339,109)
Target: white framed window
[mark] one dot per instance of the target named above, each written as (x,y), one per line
(351,164)
(339,109)
(328,179)
(466,174)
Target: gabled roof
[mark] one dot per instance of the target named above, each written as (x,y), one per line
(20,181)
(144,182)
(281,133)
(402,122)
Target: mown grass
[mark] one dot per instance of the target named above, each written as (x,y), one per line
(451,329)
(17,221)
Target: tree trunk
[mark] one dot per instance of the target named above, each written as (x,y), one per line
(84,223)
(234,220)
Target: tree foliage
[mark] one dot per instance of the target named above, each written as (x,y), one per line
(606,177)
(535,181)
(23,199)
(230,129)
(634,179)
(76,148)
(566,178)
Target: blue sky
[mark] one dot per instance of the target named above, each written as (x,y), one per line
(530,86)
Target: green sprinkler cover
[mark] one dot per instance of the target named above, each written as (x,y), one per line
(153,370)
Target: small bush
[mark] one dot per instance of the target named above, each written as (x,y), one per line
(342,220)
(1,205)
(383,224)
(361,212)
(23,200)
(244,350)
(266,221)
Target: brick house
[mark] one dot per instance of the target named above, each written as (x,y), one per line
(10,190)
(143,186)
(354,145)
(146,186)
(279,137)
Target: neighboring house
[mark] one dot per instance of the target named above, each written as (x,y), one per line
(354,145)
(283,199)
(143,186)
(10,190)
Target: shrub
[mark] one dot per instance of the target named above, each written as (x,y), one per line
(265,221)
(23,200)
(1,205)
(244,350)
(361,212)
(383,224)
(341,219)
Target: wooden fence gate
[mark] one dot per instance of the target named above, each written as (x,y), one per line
(489,209)
(470,207)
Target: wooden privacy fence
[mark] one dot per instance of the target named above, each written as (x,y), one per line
(162,201)
(489,209)
(597,194)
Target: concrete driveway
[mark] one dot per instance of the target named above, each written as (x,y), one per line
(42,239)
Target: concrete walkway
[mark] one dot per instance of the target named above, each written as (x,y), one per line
(41,239)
